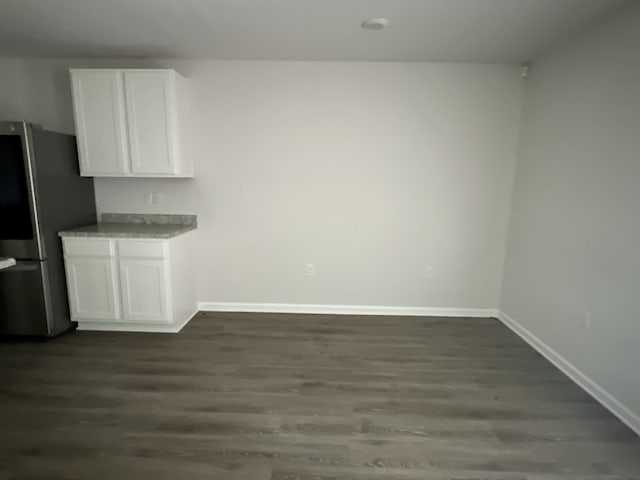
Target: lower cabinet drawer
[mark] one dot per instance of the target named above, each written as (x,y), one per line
(142,248)
(88,247)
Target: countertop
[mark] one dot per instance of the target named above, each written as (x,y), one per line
(113,225)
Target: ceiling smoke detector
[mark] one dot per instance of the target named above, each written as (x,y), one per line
(375,23)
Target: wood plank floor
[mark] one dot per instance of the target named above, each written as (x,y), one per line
(302,397)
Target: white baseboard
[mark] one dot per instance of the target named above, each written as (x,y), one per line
(345,309)
(626,415)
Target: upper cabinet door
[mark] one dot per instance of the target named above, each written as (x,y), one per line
(98,101)
(152,121)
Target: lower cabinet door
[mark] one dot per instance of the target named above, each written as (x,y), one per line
(145,290)
(93,290)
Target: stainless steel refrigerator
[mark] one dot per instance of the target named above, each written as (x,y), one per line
(41,193)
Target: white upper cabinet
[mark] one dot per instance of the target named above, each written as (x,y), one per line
(100,122)
(147,109)
(151,114)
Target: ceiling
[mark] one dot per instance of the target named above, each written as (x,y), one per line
(486,31)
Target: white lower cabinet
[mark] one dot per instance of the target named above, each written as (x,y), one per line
(92,288)
(128,284)
(145,290)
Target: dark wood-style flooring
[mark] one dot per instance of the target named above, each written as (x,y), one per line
(302,397)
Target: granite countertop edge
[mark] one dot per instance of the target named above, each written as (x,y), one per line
(141,231)
(135,226)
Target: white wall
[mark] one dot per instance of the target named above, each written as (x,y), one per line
(371,171)
(575,230)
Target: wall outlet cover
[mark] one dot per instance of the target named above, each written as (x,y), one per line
(310,269)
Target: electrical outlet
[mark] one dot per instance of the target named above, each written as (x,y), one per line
(310,269)
(428,271)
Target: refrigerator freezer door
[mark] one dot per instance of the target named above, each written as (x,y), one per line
(24,297)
